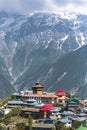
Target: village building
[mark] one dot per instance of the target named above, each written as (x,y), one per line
(62,97)
(66,121)
(38,112)
(39,95)
(37,102)
(73,103)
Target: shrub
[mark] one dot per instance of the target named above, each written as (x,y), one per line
(30,119)
(76,124)
(69,128)
(59,126)
(2,126)
(20,126)
(16,111)
(7,118)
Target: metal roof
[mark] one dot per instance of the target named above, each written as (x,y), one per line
(68,113)
(56,109)
(82,114)
(15,102)
(65,120)
(80,118)
(31,100)
(39,105)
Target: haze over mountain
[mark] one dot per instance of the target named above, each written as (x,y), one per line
(46,47)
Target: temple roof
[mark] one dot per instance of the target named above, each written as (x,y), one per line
(60,92)
(38,84)
(40,95)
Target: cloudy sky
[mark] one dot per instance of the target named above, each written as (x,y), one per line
(30,6)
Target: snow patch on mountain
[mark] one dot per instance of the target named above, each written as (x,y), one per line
(60,33)
(80,39)
(62,76)
(52,20)
(10,57)
(85,80)
(73,91)
(62,40)
(48,42)
(66,15)
(6,23)
(4,51)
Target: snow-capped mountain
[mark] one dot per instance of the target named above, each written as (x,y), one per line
(31,45)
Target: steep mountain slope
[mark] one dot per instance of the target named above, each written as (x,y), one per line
(41,47)
(69,73)
(5,86)
(41,33)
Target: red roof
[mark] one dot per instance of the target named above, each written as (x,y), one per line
(60,92)
(48,104)
(44,109)
(47,107)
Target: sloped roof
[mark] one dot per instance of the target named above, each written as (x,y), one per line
(64,120)
(45,109)
(39,105)
(38,84)
(15,102)
(73,99)
(60,92)
(56,109)
(48,95)
(48,104)
(82,114)
(80,119)
(68,113)
(31,100)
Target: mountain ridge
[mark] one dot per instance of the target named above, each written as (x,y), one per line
(30,44)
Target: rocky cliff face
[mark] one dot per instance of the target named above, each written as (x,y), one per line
(43,47)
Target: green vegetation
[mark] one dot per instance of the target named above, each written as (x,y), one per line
(76,124)
(14,116)
(69,128)
(20,126)
(4,101)
(2,126)
(7,119)
(30,119)
(14,119)
(59,126)
(53,128)
(16,111)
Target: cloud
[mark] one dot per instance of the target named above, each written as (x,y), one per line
(72,5)
(23,5)
(32,5)
(9,5)
(43,5)
(74,2)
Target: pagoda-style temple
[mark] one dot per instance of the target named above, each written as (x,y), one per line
(38,88)
(39,95)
